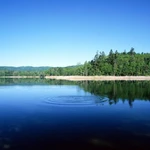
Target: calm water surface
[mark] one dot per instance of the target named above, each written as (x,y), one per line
(48,114)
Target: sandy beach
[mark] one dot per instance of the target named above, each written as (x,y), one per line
(85,78)
(101,78)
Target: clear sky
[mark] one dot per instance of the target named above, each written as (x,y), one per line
(66,32)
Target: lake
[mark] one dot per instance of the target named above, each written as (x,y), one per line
(53,114)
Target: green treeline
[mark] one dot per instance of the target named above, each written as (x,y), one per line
(118,64)
(22,71)
(115,63)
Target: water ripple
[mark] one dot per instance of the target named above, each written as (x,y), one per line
(75,100)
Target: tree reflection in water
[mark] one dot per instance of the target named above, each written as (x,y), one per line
(111,91)
(117,91)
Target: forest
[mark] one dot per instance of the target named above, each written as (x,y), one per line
(118,64)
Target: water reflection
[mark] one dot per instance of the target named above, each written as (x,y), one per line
(119,90)
(28,118)
(110,92)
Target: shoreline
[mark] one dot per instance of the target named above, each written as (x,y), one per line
(98,78)
(83,78)
(19,77)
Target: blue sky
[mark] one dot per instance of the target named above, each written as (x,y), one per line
(67,32)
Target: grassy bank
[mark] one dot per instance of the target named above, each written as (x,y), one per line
(19,77)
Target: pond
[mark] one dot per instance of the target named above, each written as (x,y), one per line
(53,114)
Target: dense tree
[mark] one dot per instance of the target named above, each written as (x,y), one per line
(121,64)
(115,63)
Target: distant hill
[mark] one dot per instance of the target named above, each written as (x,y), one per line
(24,68)
(30,68)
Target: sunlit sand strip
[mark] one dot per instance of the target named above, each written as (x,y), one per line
(82,78)
(85,78)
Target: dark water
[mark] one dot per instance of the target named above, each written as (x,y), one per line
(49,114)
